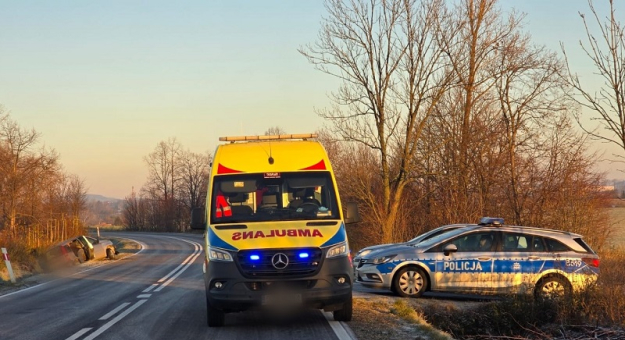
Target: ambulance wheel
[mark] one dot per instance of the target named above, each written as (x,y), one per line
(214,317)
(344,314)
(552,287)
(410,282)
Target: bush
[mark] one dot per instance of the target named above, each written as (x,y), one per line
(599,305)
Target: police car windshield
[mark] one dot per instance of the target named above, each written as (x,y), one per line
(441,237)
(273,197)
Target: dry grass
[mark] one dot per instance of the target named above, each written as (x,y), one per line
(382,319)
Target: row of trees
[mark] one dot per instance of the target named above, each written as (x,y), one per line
(176,183)
(40,203)
(447,112)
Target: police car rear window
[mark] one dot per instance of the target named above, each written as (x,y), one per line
(584,245)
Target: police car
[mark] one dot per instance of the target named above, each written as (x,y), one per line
(484,258)
(422,237)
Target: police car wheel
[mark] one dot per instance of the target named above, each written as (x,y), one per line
(214,317)
(552,287)
(410,282)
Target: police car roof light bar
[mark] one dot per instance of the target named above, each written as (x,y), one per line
(496,221)
(233,139)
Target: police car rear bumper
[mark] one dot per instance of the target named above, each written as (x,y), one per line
(238,293)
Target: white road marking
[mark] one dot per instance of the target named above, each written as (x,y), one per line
(144,296)
(339,328)
(187,262)
(147,290)
(79,334)
(115,320)
(196,245)
(114,311)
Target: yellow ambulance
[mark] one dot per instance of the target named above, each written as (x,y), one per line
(274,229)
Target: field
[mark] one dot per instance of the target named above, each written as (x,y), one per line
(617,218)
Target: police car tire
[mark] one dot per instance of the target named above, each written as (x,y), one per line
(551,281)
(214,316)
(403,275)
(344,314)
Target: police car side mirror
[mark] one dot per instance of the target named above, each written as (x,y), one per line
(450,248)
(351,213)
(198,220)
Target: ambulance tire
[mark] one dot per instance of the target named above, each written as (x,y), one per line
(214,317)
(344,314)
(410,282)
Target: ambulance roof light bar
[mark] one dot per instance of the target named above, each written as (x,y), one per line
(233,139)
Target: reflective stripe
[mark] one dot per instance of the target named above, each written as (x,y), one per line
(223,209)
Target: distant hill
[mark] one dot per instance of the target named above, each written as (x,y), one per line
(100,198)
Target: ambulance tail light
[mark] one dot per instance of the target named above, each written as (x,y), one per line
(591,262)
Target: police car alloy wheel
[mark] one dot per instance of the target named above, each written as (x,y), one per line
(553,287)
(410,282)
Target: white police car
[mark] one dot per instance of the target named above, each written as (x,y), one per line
(420,238)
(485,258)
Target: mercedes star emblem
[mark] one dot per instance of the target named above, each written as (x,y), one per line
(280,261)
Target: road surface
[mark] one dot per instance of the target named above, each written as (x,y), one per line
(157,293)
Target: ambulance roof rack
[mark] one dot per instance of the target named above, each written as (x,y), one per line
(492,221)
(233,139)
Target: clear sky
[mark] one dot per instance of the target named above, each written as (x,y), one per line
(105,81)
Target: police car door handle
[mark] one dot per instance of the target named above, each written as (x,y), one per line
(483,258)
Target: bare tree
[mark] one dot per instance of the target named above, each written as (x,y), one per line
(393,73)
(606,107)
(275,130)
(194,169)
(531,97)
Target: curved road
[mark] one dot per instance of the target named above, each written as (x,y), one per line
(157,293)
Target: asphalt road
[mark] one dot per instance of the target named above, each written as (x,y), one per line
(157,293)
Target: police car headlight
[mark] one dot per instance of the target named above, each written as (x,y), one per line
(218,255)
(338,250)
(383,259)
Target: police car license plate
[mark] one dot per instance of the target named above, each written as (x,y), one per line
(281,299)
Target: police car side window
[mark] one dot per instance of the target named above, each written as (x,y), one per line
(556,246)
(482,241)
(516,242)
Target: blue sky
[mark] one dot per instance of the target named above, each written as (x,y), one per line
(105,81)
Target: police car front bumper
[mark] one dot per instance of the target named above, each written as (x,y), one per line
(375,276)
(227,289)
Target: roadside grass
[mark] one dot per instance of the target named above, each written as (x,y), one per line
(124,245)
(409,314)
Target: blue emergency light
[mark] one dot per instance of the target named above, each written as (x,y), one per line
(254,257)
(303,255)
